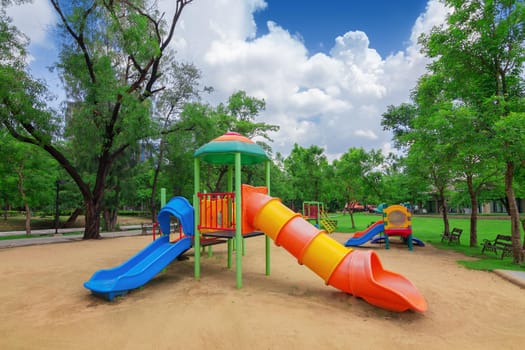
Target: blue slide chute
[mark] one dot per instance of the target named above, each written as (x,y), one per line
(181,208)
(138,270)
(147,263)
(367,235)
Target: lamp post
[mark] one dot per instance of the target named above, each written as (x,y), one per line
(57,203)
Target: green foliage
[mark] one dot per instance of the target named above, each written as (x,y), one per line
(305,167)
(200,123)
(510,131)
(110,59)
(359,175)
(399,120)
(27,175)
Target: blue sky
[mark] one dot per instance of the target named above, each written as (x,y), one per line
(388,24)
(327,70)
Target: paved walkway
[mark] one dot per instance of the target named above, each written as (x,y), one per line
(516,277)
(132,230)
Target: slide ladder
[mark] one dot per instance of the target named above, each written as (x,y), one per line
(328,224)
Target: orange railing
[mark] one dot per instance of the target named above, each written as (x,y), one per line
(217,211)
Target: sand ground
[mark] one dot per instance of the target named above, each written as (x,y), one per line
(43,304)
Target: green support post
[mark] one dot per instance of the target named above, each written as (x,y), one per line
(410,244)
(238,215)
(267,239)
(162,197)
(230,189)
(196,208)
(163,202)
(230,249)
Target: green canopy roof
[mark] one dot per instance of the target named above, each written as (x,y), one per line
(222,150)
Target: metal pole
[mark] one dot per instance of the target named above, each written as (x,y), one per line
(57,199)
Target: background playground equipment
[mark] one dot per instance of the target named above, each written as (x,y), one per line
(314,212)
(245,211)
(397,221)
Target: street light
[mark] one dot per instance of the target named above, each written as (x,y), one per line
(57,203)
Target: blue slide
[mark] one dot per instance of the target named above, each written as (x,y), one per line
(147,263)
(366,236)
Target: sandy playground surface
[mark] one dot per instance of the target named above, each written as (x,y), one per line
(43,304)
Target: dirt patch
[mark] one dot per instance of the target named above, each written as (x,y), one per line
(44,305)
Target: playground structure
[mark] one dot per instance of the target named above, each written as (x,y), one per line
(397,221)
(315,212)
(245,211)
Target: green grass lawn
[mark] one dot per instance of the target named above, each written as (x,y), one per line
(426,228)
(429,230)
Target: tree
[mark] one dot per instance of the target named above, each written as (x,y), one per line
(200,123)
(399,120)
(110,62)
(305,168)
(425,134)
(182,82)
(237,114)
(481,52)
(476,163)
(358,176)
(35,173)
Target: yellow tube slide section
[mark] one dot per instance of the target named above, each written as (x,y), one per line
(359,273)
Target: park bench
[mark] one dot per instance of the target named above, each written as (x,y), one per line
(502,243)
(452,236)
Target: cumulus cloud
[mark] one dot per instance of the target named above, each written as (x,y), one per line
(34,20)
(333,99)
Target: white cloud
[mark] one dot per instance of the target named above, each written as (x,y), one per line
(34,20)
(368,134)
(332,99)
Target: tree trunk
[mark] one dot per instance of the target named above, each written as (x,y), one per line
(474,213)
(350,204)
(6,210)
(24,199)
(72,218)
(110,219)
(523,250)
(517,255)
(443,201)
(28,218)
(92,228)
(351,213)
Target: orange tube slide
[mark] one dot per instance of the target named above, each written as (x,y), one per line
(359,273)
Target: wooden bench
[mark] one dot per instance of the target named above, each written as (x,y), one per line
(452,236)
(502,243)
